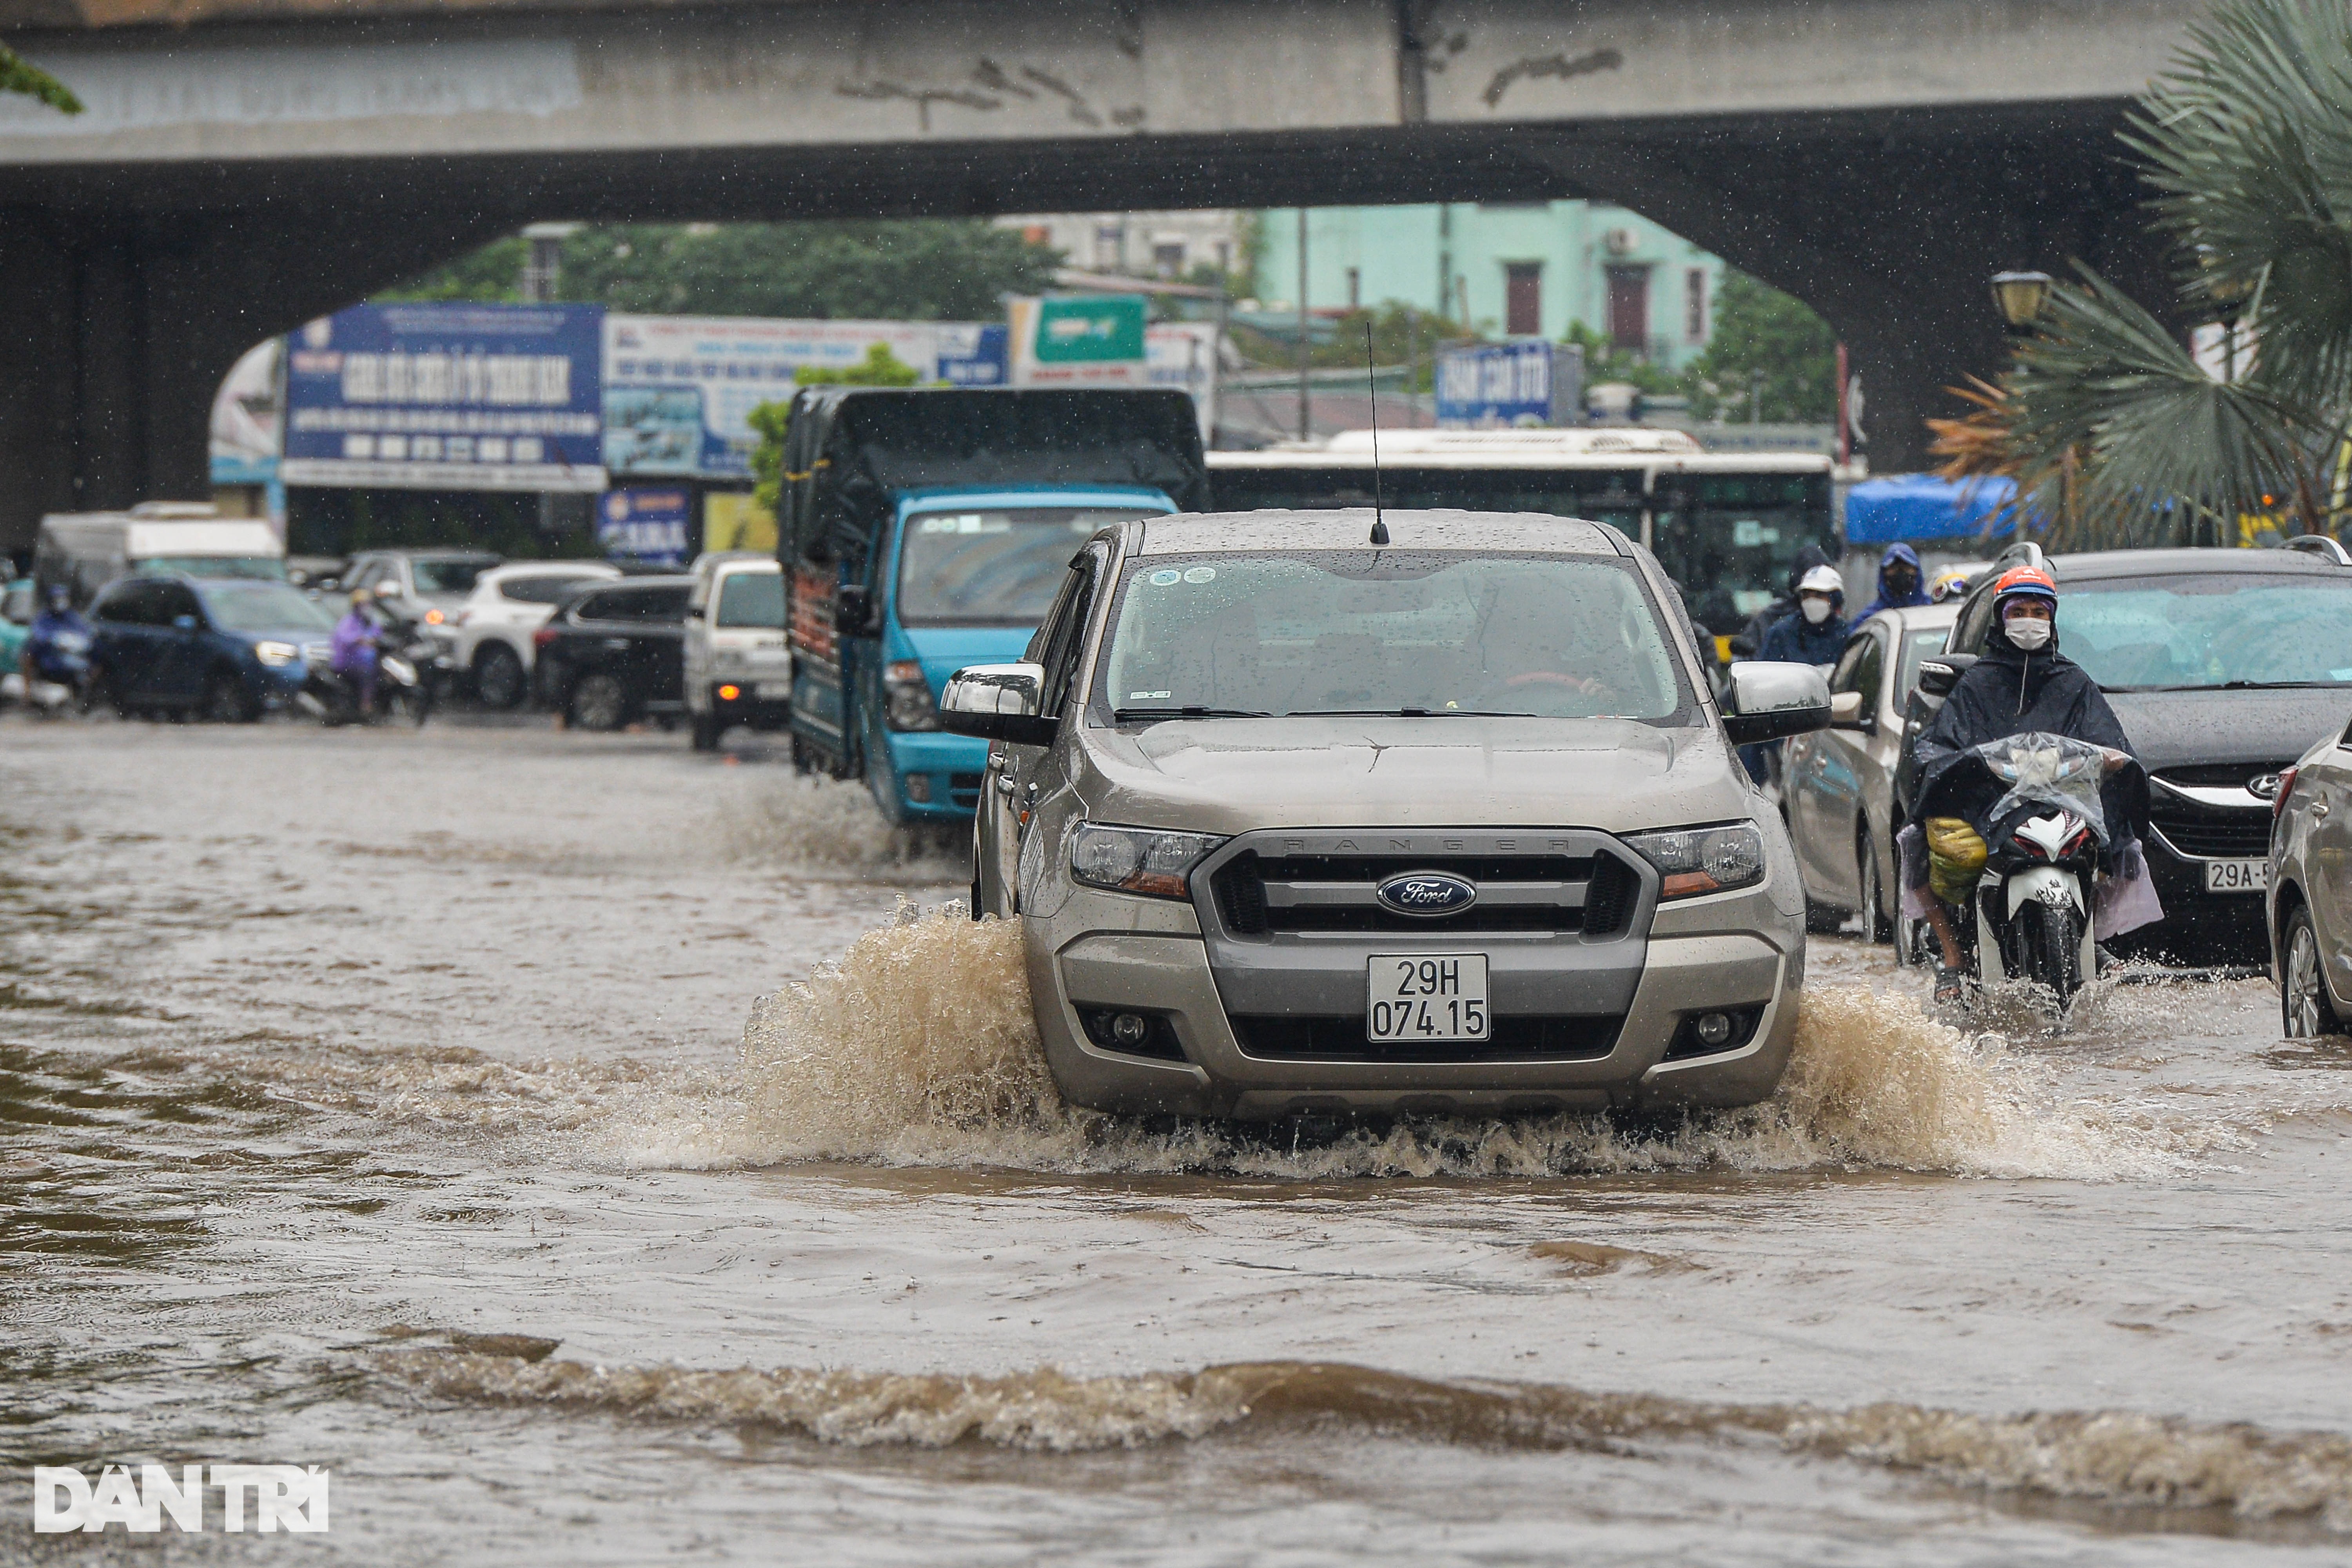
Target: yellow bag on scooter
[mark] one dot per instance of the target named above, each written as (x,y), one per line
(1956,857)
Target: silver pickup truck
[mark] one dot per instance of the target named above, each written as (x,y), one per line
(1309,814)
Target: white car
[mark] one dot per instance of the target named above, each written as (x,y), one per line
(2310,895)
(489,635)
(738,669)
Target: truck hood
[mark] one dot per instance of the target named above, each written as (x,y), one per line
(1231,775)
(2181,729)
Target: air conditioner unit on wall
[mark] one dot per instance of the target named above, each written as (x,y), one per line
(1619,241)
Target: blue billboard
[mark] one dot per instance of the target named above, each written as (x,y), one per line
(646,525)
(1487,386)
(974,353)
(447,397)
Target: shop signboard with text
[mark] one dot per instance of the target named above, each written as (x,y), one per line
(447,397)
(679,390)
(1079,339)
(1485,386)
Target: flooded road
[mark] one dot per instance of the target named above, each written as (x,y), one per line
(403,1103)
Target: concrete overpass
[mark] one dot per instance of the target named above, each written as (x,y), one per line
(246,164)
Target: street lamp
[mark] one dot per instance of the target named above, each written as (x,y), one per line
(2019,297)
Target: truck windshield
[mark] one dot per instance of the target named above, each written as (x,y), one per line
(1397,632)
(997,567)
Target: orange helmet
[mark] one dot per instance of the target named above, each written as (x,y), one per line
(2026,582)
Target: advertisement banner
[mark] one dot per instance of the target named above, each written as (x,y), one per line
(733,521)
(1079,339)
(973,353)
(679,390)
(447,397)
(1183,355)
(1487,386)
(646,525)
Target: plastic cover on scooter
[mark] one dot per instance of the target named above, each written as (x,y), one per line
(2047,771)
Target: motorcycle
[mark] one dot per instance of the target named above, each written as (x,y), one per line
(2046,831)
(412,670)
(59,673)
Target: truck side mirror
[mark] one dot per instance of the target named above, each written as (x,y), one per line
(1845,712)
(1941,672)
(853,610)
(999,702)
(1768,700)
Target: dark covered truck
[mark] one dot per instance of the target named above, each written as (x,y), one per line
(922,531)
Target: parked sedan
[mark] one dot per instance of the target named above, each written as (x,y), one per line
(224,648)
(2221,665)
(615,652)
(489,635)
(2310,900)
(1838,785)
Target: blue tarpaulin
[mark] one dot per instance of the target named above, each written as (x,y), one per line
(1917,507)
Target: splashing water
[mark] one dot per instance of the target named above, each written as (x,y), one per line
(918,1047)
(2118,1458)
(812,823)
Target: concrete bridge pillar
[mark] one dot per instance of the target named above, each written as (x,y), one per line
(119,327)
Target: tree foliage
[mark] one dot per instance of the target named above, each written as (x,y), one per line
(1767,341)
(20,75)
(2247,142)
(915,269)
(771,421)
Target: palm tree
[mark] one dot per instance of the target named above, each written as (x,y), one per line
(21,76)
(2121,436)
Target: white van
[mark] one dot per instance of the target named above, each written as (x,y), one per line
(86,551)
(738,670)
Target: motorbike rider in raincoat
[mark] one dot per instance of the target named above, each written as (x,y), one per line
(352,654)
(58,644)
(1813,633)
(2020,685)
(1899,587)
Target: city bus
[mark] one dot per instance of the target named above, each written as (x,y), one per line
(1728,527)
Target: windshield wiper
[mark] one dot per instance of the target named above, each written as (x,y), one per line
(2237,686)
(1189,710)
(1404,713)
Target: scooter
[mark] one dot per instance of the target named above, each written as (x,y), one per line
(412,668)
(2043,837)
(59,673)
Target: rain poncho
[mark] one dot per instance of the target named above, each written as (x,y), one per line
(355,645)
(1796,640)
(1898,555)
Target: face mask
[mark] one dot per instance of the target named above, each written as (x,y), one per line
(2028,633)
(1816,610)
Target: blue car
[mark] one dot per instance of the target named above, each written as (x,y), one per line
(221,648)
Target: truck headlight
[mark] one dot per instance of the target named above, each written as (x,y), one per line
(906,702)
(1144,860)
(1704,859)
(276,655)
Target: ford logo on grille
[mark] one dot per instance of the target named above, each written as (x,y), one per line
(1426,893)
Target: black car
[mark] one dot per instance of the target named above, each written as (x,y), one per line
(2223,666)
(614,651)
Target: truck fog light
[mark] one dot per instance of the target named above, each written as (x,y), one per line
(918,788)
(1129,1030)
(1714,1028)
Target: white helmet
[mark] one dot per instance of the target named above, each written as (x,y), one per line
(1822,580)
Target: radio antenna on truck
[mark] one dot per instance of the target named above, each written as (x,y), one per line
(1379,525)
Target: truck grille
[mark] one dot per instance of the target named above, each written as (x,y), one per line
(1341,1037)
(2240,834)
(1262,895)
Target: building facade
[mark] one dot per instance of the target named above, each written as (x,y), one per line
(1163,245)
(1515,269)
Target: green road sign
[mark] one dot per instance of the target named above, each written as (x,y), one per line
(1089,330)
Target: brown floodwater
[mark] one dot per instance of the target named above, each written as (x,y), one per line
(345,1074)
